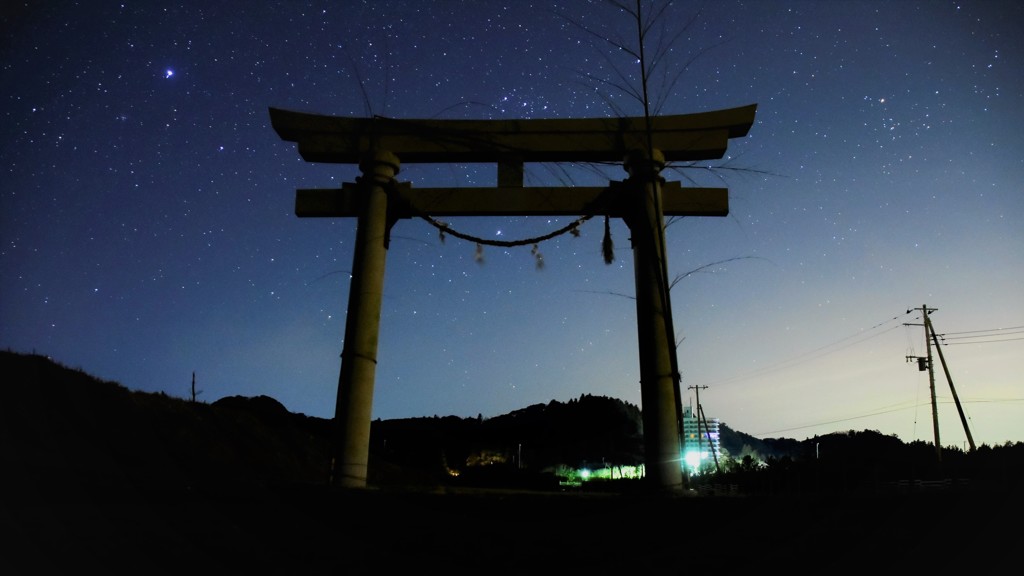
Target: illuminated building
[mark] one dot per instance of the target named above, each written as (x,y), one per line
(700,440)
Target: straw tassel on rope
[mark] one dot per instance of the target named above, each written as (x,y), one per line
(607,246)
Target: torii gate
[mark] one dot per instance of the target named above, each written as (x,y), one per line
(379,144)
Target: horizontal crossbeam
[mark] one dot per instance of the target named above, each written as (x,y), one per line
(686,137)
(611,200)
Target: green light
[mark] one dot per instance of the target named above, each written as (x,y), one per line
(692,459)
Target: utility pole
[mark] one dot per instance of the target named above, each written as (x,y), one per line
(194,393)
(707,429)
(697,390)
(926,364)
(949,379)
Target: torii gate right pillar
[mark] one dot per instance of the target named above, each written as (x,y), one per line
(659,385)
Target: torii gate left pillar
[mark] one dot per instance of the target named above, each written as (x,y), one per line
(354,404)
(642,201)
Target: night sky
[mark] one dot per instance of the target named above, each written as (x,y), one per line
(148,232)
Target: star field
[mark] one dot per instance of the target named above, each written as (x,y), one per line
(147,226)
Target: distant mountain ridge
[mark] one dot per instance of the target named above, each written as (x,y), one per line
(586,430)
(160,431)
(62,423)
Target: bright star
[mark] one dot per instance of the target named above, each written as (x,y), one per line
(168,73)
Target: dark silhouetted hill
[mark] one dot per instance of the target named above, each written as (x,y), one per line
(99,477)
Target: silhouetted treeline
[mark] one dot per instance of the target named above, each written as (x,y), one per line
(528,446)
(533,440)
(63,425)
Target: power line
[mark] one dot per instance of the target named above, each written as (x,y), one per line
(984,335)
(881,411)
(982,341)
(807,356)
(972,336)
(989,330)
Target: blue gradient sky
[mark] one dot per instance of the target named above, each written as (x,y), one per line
(148,232)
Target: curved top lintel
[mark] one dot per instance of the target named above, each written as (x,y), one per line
(339,139)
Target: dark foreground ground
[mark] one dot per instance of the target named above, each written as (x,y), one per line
(321,530)
(95,479)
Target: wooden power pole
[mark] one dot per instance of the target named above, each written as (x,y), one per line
(378,201)
(931,381)
(931,338)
